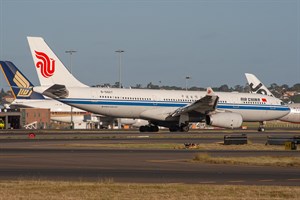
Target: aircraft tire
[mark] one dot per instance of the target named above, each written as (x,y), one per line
(185,128)
(174,129)
(143,129)
(154,129)
(149,128)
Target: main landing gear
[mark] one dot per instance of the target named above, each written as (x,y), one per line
(182,128)
(149,128)
(175,128)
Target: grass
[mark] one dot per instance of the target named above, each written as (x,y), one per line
(64,190)
(273,124)
(281,161)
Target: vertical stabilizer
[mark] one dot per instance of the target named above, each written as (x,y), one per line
(49,68)
(20,86)
(256,86)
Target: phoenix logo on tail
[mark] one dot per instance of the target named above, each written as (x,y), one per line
(22,83)
(46,64)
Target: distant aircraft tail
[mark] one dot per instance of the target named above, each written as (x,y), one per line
(49,68)
(21,87)
(256,86)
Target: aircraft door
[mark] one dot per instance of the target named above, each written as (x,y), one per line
(155,100)
(94,95)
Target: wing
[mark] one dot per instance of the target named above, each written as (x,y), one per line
(204,105)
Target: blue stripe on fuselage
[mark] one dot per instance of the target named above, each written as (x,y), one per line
(171,104)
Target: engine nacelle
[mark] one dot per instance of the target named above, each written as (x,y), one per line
(225,120)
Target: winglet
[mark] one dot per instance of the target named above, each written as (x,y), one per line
(210,92)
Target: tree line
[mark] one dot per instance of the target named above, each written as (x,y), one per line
(277,90)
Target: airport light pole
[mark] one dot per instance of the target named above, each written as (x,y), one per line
(71,53)
(186,82)
(70,68)
(119,51)
(120,65)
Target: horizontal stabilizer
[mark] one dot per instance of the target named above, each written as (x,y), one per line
(56,91)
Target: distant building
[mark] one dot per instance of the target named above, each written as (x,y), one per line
(288,94)
(38,116)
(8,99)
(33,118)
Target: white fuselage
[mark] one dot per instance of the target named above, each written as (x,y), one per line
(294,115)
(133,103)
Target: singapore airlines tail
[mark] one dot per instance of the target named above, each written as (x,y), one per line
(256,86)
(21,87)
(49,68)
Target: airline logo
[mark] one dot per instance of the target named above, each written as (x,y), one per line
(258,89)
(22,83)
(46,64)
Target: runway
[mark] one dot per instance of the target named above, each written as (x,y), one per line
(54,159)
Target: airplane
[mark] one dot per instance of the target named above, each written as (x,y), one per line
(256,86)
(25,97)
(167,108)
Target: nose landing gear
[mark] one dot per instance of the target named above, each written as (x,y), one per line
(261,127)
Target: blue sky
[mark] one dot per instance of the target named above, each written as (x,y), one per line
(214,41)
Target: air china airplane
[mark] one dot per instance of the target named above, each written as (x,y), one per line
(256,86)
(25,97)
(172,109)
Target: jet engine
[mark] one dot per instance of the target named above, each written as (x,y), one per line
(225,120)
